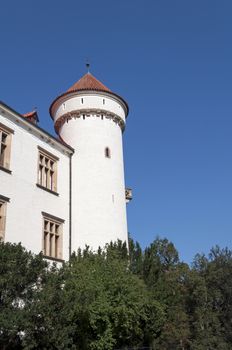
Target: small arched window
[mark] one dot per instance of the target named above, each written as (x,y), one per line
(107,152)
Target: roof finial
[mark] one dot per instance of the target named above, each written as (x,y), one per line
(87,65)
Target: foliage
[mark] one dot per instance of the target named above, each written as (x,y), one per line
(114,300)
(19,277)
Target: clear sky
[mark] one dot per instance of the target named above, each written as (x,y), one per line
(171,60)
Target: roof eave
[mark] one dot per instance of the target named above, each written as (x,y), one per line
(23,119)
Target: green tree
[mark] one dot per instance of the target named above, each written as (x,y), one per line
(111,300)
(109,306)
(93,302)
(166,278)
(210,300)
(135,257)
(20,275)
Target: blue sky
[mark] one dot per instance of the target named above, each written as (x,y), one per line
(171,60)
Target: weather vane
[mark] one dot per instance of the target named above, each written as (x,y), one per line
(87,65)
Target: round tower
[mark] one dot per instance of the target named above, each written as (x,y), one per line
(91,118)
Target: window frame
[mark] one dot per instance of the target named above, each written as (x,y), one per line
(3,208)
(52,237)
(47,171)
(5,161)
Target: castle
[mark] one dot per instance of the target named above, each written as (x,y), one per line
(60,194)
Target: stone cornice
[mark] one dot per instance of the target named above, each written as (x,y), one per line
(88,113)
(34,129)
(69,94)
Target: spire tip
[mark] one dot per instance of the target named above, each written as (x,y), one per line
(87,65)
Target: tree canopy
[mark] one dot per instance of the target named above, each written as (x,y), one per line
(112,299)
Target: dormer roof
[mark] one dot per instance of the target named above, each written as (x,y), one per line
(32,116)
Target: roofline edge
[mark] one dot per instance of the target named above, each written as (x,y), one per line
(27,122)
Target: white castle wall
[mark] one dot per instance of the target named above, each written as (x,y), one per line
(98,192)
(27,201)
(90,100)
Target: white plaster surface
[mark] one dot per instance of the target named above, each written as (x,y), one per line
(98,187)
(98,192)
(90,101)
(98,195)
(24,221)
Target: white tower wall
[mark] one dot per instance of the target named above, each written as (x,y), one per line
(91,123)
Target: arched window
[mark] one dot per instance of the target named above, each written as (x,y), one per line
(107,152)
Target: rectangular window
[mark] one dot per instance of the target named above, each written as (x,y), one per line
(5,144)
(2,219)
(52,236)
(47,170)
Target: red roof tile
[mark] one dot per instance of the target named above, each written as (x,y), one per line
(32,116)
(88,82)
(29,114)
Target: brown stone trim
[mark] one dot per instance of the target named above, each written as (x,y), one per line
(3,209)
(53,259)
(5,169)
(35,126)
(52,217)
(7,145)
(89,90)
(78,113)
(48,153)
(6,128)
(47,189)
(52,237)
(4,199)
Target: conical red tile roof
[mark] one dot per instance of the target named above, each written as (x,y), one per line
(88,82)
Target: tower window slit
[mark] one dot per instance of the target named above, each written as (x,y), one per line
(82,100)
(107,152)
